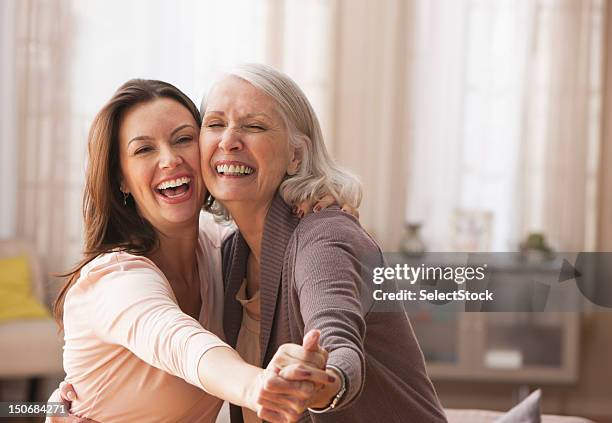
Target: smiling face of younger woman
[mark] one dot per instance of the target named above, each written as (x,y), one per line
(244,143)
(160,163)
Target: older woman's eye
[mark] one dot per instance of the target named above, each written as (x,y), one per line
(214,125)
(183,140)
(256,127)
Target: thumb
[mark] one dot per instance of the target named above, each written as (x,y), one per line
(311,340)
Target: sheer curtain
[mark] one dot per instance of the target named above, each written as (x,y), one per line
(8,141)
(506,99)
(71,55)
(42,73)
(370,112)
(563,123)
(437,106)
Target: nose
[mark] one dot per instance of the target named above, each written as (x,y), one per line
(230,141)
(169,158)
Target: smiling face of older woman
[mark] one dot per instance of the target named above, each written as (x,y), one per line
(244,145)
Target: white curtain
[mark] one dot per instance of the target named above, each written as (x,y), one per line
(8,141)
(370,112)
(437,105)
(562,124)
(42,120)
(506,97)
(70,55)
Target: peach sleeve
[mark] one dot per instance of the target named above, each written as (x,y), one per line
(133,305)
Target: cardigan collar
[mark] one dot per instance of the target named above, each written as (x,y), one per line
(279,225)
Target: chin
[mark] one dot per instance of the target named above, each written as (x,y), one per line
(181,216)
(232,194)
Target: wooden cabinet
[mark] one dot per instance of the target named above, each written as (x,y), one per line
(519,346)
(510,347)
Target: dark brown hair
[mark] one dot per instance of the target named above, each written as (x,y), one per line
(109,224)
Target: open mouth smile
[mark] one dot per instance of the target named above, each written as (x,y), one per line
(235,169)
(175,190)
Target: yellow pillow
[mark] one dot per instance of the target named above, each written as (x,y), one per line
(16,297)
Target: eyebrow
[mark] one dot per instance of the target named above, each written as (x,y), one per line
(248,115)
(146,137)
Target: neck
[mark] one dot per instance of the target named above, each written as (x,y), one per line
(250,219)
(176,254)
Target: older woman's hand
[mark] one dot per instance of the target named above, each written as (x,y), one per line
(315,206)
(303,364)
(66,394)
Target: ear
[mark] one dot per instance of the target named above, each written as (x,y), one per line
(295,159)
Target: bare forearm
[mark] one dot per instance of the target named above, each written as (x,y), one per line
(214,368)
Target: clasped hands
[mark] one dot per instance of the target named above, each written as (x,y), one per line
(294,380)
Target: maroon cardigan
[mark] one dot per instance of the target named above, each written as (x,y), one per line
(312,277)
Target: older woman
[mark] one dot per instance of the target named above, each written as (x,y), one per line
(262,149)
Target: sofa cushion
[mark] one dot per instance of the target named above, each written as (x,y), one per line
(16,297)
(527,411)
(30,348)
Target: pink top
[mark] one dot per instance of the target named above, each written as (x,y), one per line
(130,351)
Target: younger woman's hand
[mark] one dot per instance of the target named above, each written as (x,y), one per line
(314,206)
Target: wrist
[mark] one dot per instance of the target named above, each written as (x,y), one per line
(253,388)
(331,394)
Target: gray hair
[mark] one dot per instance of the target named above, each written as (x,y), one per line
(317,174)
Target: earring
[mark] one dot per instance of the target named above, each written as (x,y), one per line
(125,197)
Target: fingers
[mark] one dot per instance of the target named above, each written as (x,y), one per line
(350,210)
(313,205)
(302,209)
(272,416)
(299,387)
(292,354)
(299,372)
(284,404)
(324,203)
(67,392)
(311,340)
(273,402)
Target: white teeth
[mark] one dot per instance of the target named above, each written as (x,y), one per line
(174,183)
(234,169)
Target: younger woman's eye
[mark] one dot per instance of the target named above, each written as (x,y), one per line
(183,140)
(214,125)
(144,149)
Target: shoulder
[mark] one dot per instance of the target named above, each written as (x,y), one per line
(332,224)
(332,233)
(119,265)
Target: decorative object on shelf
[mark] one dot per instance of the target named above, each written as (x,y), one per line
(535,249)
(471,230)
(412,244)
(503,359)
